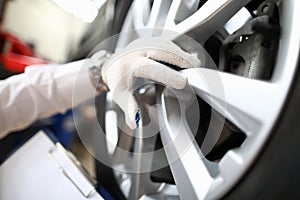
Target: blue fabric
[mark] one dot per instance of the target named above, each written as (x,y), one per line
(105,195)
(137,118)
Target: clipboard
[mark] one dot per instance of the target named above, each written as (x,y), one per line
(41,169)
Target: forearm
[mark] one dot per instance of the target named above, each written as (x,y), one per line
(41,92)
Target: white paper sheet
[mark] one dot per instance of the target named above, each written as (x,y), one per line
(34,173)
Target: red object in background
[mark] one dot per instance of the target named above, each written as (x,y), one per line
(16,55)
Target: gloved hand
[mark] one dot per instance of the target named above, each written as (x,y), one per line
(140,59)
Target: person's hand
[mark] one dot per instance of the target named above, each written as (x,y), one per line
(142,58)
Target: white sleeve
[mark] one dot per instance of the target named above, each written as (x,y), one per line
(41,92)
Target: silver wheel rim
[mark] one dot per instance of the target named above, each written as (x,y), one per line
(254,115)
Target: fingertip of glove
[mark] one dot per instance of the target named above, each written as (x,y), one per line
(131,113)
(180,83)
(131,124)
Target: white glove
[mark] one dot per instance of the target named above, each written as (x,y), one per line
(139,59)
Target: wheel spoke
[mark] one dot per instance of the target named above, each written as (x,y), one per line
(180,10)
(209,18)
(141,14)
(142,164)
(170,21)
(190,169)
(146,18)
(245,102)
(158,15)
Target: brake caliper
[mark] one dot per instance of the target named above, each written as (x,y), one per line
(251,50)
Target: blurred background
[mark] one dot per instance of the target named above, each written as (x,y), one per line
(50,31)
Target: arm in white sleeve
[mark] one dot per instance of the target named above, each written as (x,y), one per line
(41,92)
